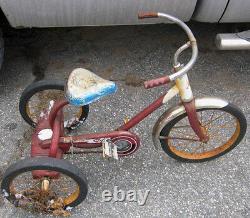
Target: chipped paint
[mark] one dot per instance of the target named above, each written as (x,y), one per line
(68,208)
(51,104)
(46,112)
(5,193)
(85,87)
(173,112)
(42,115)
(184,88)
(170,94)
(18,196)
(45,134)
(70,122)
(90,141)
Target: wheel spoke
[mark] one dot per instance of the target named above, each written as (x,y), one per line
(44,185)
(178,127)
(184,145)
(223,129)
(183,134)
(211,121)
(179,138)
(199,147)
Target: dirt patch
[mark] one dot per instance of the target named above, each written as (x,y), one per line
(120,51)
(81,60)
(133,79)
(107,73)
(39,59)
(57,64)
(10,126)
(24,143)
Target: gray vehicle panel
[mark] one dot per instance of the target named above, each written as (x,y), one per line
(237,11)
(63,13)
(209,10)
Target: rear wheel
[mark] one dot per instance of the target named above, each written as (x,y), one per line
(37,96)
(44,194)
(225,127)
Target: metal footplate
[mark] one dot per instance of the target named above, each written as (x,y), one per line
(109,149)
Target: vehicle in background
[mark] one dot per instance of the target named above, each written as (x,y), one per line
(69,13)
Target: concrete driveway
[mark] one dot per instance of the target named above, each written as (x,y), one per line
(129,55)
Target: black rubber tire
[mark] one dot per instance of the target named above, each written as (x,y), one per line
(42,85)
(45,163)
(230,108)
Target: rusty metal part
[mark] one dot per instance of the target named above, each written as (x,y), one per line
(184,88)
(194,121)
(94,140)
(173,112)
(45,185)
(85,152)
(211,153)
(56,107)
(156,82)
(38,151)
(71,198)
(56,134)
(142,15)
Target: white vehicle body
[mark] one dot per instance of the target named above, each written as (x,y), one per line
(67,13)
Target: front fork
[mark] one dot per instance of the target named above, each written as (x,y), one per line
(188,102)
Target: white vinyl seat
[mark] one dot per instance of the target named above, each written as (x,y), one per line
(84,87)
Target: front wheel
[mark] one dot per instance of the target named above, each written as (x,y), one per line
(225,127)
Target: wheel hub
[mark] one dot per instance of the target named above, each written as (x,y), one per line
(45,185)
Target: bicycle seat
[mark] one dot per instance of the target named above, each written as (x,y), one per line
(84,87)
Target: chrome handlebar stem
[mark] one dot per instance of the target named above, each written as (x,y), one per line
(192,42)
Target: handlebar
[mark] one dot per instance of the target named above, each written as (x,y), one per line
(156,82)
(192,42)
(142,15)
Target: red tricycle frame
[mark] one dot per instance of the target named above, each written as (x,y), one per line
(58,143)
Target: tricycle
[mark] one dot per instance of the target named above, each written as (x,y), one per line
(195,130)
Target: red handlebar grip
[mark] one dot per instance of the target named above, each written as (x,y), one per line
(156,82)
(142,15)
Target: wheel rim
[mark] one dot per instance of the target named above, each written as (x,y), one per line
(28,194)
(222,128)
(41,101)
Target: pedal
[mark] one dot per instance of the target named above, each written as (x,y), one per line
(109,149)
